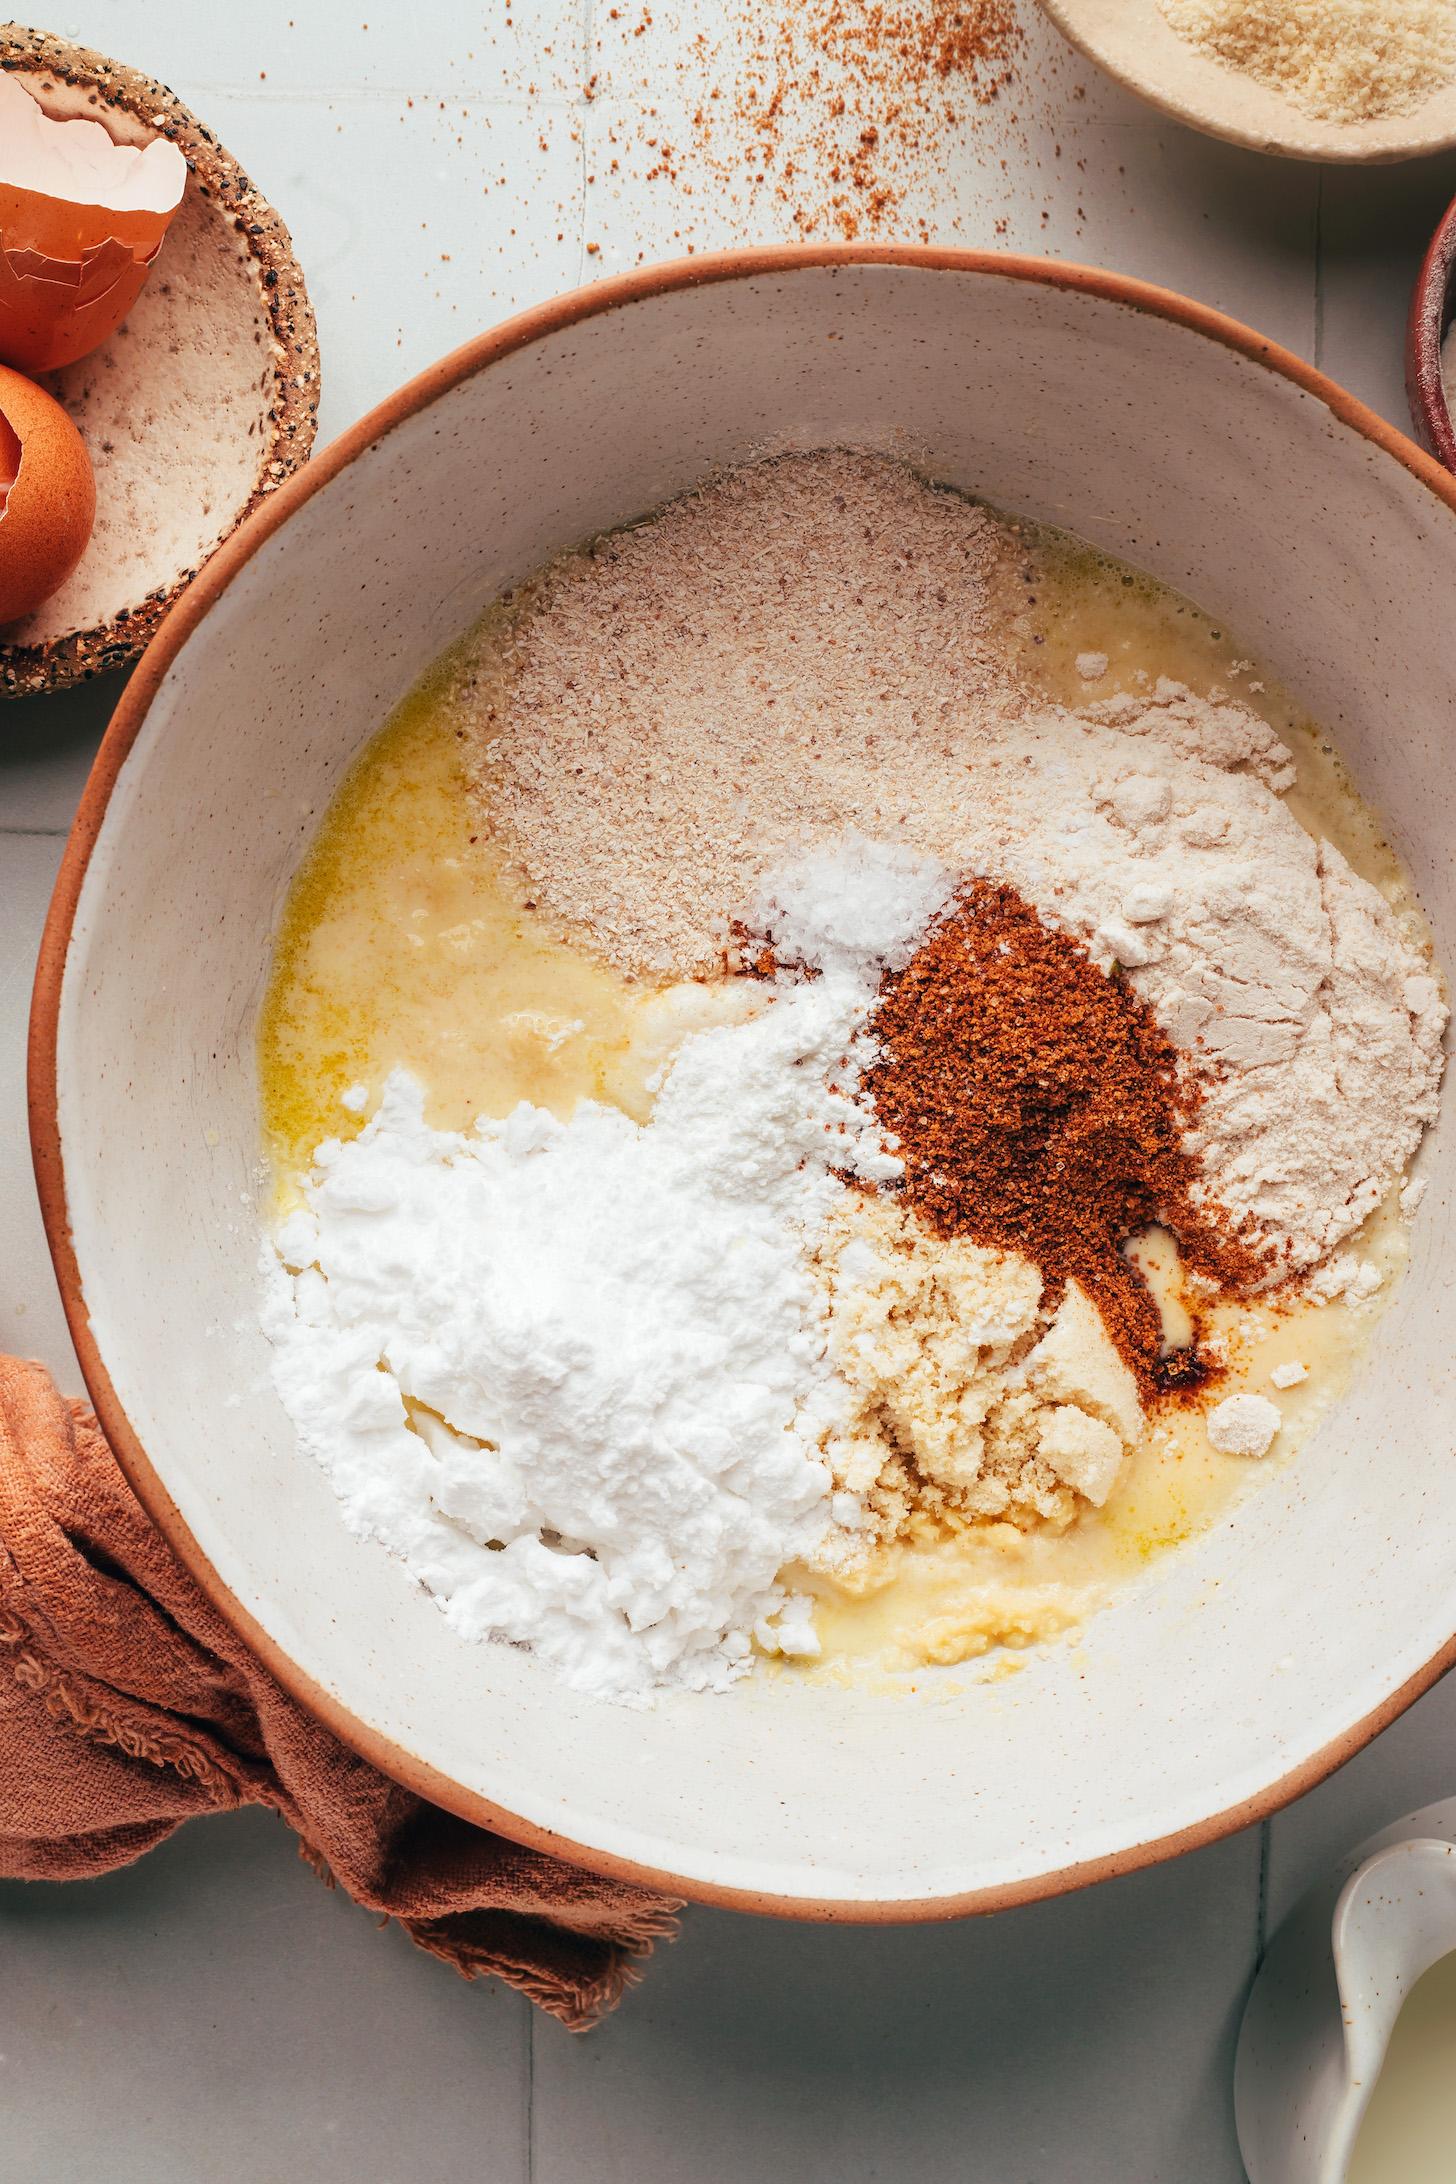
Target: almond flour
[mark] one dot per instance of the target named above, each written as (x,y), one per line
(1340,60)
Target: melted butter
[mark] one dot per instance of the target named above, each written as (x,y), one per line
(1154,1253)
(1409,2130)
(405,943)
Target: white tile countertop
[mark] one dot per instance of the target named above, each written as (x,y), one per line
(214,2013)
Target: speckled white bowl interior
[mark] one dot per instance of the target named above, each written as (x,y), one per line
(1246,1661)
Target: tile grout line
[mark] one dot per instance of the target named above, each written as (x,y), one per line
(585,107)
(530,2093)
(35,834)
(1319,269)
(581,237)
(448,95)
(1261,1926)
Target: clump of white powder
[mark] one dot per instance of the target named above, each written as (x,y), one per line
(1289,1374)
(575,1374)
(855,908)
(1244,1425)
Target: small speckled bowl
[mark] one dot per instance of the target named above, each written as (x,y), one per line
(1134,42)
(1433,306)
(196,409)
(1227,1676)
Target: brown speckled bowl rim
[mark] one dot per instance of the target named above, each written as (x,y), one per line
(514,335)
(1430,315)
(292,418)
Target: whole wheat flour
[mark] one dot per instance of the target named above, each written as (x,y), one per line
(805,651)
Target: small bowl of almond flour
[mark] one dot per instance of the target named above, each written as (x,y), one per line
(1347,80)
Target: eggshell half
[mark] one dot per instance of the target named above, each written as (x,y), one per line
(82,219)
(49,496)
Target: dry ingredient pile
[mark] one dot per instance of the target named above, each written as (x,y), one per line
(807,651)
(1340,60)
(973,990)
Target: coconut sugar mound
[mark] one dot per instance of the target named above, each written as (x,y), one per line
(805,651)
(1340,60)
(1037,1107)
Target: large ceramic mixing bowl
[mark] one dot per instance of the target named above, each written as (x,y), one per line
(1228,1675)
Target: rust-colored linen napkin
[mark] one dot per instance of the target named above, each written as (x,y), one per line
(127,1705)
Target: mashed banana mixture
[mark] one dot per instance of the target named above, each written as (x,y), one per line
(602,1283)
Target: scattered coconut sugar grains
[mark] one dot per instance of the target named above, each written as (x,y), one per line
(832,110)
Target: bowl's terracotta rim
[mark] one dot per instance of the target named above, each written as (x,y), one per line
(513,335)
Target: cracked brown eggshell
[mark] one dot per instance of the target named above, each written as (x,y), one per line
(82,219)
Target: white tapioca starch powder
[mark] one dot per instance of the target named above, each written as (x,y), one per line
(575,1373)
